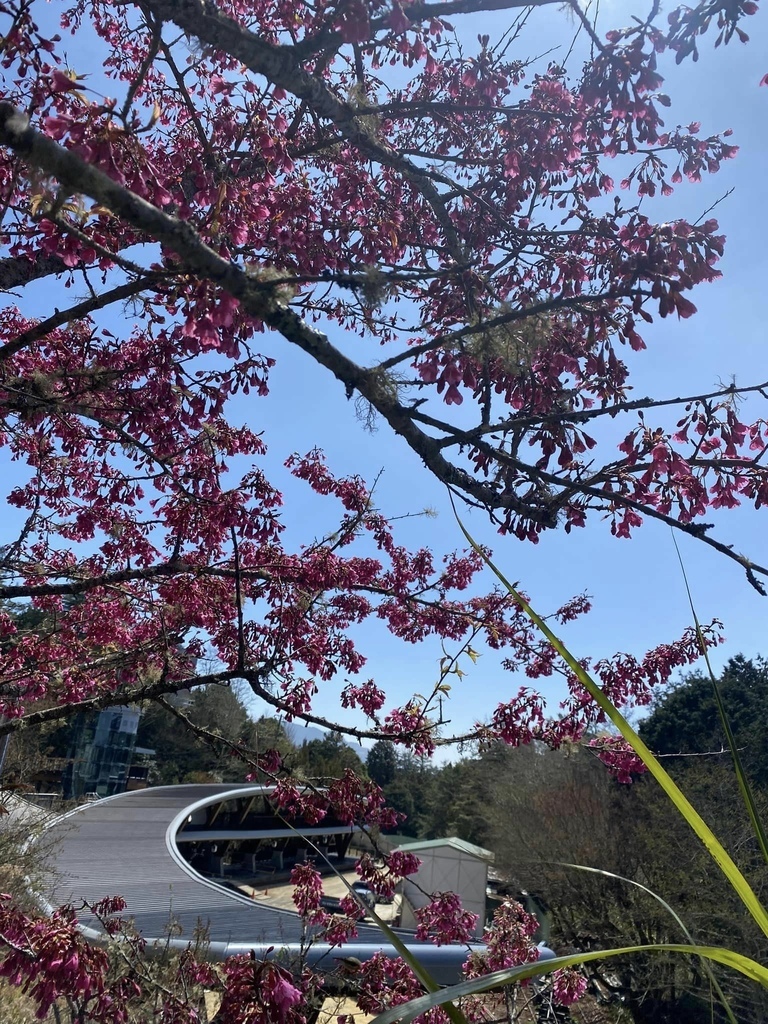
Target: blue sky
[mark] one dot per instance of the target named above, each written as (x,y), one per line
(637,589)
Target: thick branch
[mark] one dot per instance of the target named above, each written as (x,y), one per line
(152,691)
(113,579)
(73,172)
(16,271)
(176,569)
(417,12)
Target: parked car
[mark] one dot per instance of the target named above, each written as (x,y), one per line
(333,905)
(364,890)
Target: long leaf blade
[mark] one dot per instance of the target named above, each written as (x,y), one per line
(421,972)
(406,1012)
(744,787)
(681,924)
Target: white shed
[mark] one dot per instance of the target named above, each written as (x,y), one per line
(447,865)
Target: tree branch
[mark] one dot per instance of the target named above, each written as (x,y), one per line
(83,586)
(538,309)
(417,12)
(16,271)
(77,312)
(697,530)
(109,699)
(73,172)
(584,415)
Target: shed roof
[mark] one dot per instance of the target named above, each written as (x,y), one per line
(453,841)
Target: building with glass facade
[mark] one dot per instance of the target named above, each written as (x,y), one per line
(101,751)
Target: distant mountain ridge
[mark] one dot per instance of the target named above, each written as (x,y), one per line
(299,734)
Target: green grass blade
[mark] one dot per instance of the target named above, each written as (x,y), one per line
(715,848)
(744,787)
(670,910)
(405,1012)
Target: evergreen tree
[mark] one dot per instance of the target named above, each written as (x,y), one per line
(382,762)
(327,758)
(685,719)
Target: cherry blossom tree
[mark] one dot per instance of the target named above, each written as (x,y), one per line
(434,224)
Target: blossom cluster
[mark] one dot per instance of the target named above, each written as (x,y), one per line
(386,982)
(444,920)
(619,757)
